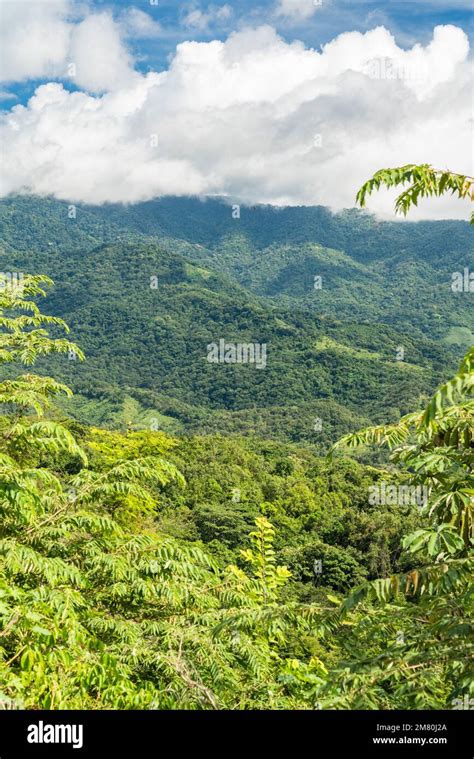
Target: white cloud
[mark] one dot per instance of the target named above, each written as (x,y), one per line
(298,9)
(43,40)
(202,20)
(99,56)
(34,39)
(140,25)
(252,117)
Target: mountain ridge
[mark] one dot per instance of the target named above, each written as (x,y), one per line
(337,345)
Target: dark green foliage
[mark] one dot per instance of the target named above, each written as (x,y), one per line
(244,280)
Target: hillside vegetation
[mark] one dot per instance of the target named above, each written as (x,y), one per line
(145,567)
(264,578)
(147,288)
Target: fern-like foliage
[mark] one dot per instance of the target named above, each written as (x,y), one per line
(424,181)
(100,609)
(437,449)
(97,608)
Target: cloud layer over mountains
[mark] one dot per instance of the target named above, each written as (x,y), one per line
(253,117)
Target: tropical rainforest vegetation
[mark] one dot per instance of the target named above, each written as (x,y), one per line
(146,288)
(238,567)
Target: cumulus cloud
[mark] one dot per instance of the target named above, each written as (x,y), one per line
(34,39)
(201,20)
(98,56)
(253,117)
(140,25)
(44,40)
(298,9)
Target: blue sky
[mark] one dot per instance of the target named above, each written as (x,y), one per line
(409,20)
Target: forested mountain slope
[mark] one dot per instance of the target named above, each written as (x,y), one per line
(147,288)
(398,273)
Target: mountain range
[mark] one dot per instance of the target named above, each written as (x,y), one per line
(358,316)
